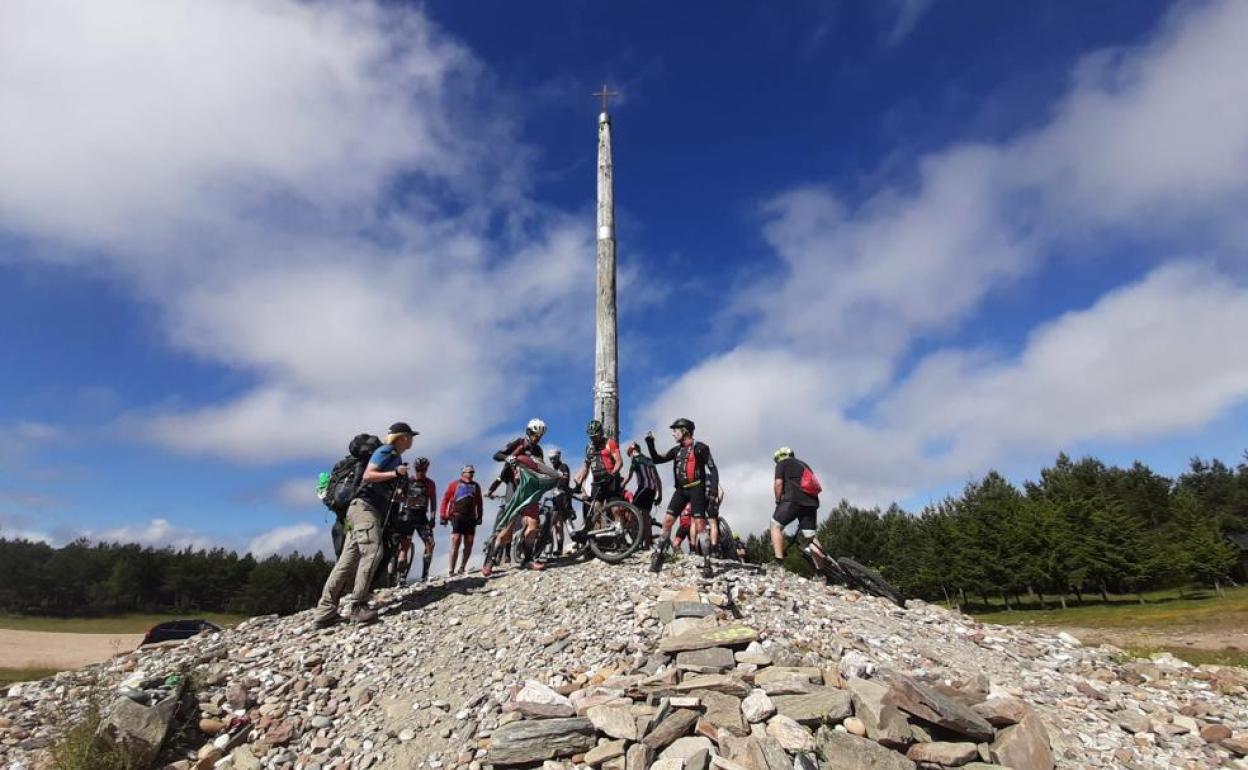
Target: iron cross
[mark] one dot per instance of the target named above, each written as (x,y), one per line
(605,94)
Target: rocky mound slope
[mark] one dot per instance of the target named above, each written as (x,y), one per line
(590,665)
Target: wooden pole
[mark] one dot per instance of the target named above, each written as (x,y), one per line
(606,362)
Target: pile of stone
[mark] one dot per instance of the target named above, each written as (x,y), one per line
(718,699)
(598,666)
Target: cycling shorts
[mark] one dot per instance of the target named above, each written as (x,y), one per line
(464,524)
(644,500)
(806,516)
(694,497)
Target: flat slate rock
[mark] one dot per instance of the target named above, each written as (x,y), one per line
(678,724)
(931,706)
(712,660)
(718,682)
(723,711)
(693,610)
(842,751)
(826,705)
(700,639)
(1024,746)
(536,740)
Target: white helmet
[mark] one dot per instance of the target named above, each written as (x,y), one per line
(536,428)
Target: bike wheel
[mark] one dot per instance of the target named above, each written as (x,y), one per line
(624,540)
(871,581)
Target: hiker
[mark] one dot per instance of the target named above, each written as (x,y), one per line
(793,500)
(379,488)
(463,509)
(697,482)
(422,500)
(649,491)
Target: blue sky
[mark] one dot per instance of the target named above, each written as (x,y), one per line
(913,239)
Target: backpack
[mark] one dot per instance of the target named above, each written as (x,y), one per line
(809,482)
(344,478)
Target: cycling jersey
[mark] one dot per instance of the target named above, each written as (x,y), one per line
(694,466)
(517,448)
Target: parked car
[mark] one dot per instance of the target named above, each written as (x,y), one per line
(178,629)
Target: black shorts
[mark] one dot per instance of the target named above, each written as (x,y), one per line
(806,515)
(606,488)
(694,497)
(644,500)
(464,524)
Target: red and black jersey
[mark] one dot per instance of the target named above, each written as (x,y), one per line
(517,448)
(693,465)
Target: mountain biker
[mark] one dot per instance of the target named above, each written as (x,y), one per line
(792,503)
(649,491)
(562,500)
(601,466)
(697,481)
(365,517)
(422,496)
(527,445)
(463,509)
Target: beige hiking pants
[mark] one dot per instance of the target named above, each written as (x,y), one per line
(355,567)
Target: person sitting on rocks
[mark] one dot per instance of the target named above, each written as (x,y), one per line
(463,510)
(379,488)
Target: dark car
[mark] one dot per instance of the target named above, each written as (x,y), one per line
(178,629)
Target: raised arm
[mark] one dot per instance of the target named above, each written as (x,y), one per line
(654,453)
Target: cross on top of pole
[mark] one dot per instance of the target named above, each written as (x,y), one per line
(605,94)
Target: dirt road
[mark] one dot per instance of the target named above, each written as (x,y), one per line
(44,649)
(1212,640)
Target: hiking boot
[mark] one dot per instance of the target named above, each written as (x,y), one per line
(656,561)
(364,616)
(323,623)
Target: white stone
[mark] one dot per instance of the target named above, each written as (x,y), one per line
(757,707)
(789,734)
(682,749)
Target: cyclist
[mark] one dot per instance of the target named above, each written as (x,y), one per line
(793,503)
(463,509)
(649,491)
(528,445)
(422,496)
(601,466)
(697,482)
(562,499)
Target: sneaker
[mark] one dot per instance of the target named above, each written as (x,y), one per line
(537,566)
(364,616)
(332,620)
(656,562)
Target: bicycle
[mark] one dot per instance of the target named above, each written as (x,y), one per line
(844,571)
(611,530)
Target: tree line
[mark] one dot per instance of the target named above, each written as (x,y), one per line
(1082,529)
(84,578)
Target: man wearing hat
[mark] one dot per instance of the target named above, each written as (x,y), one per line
(365,518)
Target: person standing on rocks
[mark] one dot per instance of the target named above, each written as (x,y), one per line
(422,499)
(601,466)
(697,482)
(527,445)
(649,491)
(562,500)
(366,516)
(463,509)
(793,502)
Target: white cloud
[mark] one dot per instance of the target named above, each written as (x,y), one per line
(157,533)
(310,193)
(304,538)
(1147,143)
(906,16)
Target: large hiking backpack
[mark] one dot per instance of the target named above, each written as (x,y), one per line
(809,482)
(344,479)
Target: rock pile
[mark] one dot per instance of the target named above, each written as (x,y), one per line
(598,666)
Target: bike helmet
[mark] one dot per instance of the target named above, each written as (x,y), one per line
(684,423)
(421,463)
(536,428)
(594,428)
(782,453)
(555,454)
(467,469)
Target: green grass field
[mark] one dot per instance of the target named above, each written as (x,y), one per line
(109,624)
(11,675)
(1163,609)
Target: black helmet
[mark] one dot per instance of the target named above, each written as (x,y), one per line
(420,463)
(594,428)
(684,423)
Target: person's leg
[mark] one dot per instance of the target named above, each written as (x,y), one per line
(426,535)
(777,540)
(463,565)
(454,553)
(366,531)
(339,578)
